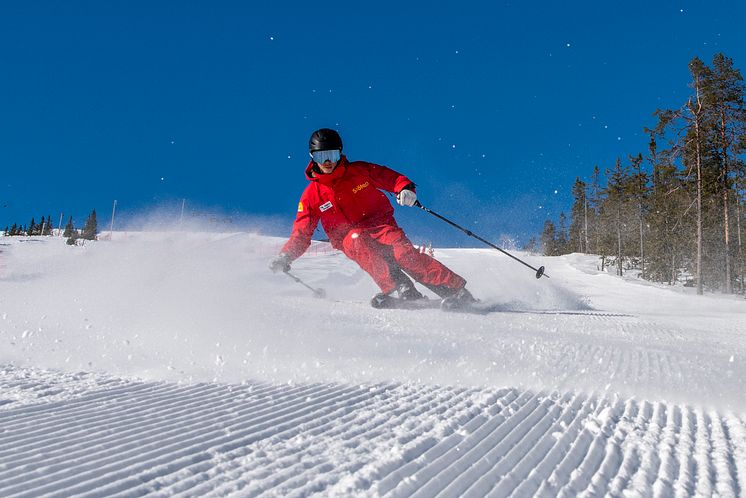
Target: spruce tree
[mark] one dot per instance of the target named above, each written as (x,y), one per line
(549,239)
(640,194)
(530,246)
(73,238)
(90,228)
(579,218)
(616,214)
(563,245)
(594,203)
(69,228)
(668,232)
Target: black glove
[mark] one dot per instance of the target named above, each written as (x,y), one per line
(280,263)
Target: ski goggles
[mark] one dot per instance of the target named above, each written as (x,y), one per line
(322,156)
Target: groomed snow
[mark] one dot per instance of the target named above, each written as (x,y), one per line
(177,364)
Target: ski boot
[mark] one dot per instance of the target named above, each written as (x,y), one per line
(382,300)
(459,300)
(409,298)
(408,292)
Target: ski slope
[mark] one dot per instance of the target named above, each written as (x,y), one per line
(176,364)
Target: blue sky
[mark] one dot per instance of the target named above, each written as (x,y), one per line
(492,108)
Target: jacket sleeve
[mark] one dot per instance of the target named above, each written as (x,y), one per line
(386,178)
(305,224)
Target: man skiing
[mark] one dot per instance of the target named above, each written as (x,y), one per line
(359,221)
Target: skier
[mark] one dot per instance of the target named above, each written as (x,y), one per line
(359,221)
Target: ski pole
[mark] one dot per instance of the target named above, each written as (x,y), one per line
(539,271)
(316,292)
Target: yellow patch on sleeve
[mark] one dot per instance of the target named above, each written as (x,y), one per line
(300,207)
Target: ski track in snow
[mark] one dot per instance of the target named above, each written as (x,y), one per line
(611,389)
(133,438)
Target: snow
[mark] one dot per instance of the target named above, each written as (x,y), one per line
(176,363)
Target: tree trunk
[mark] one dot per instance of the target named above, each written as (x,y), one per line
(619,243)
(585,223)
(740,247)
(698,160)
(642,245)
(726,227)
(673,269)
(700,290)
(728,281)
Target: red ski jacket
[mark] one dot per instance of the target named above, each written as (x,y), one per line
(347,198)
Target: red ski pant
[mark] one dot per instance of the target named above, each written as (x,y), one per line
(377,249)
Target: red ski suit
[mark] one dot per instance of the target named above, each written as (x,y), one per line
(359,221)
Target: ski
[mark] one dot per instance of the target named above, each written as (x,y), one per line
(395,303)
(383,301)
(476,307)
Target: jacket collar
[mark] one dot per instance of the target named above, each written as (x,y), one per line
(338,172)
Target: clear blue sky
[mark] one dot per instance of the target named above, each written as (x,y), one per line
(492,108)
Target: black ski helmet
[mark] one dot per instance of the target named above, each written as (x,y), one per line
(324,139)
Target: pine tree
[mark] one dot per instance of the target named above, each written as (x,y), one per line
(90,228)
(695,154)
(69,228)
(668,226)
(31,228)
(549,239)
(617,214)
(640,194)
(690,143)
(579,218)
(531,245)
(563,244)
(689,213)
(594,203)
(724,91)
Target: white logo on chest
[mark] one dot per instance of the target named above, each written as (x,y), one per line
(325,206)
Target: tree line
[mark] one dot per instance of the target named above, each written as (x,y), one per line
(44,227)
(675,213)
